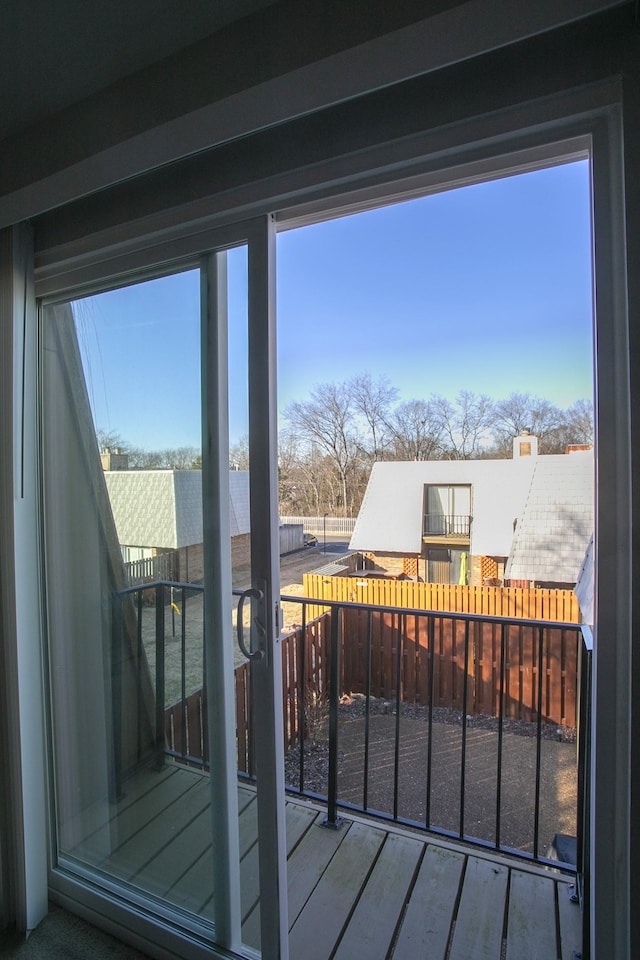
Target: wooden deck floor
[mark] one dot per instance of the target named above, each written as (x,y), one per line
(367,891)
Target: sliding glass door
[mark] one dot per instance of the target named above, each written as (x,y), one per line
(162,586)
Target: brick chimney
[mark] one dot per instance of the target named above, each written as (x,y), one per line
(114,459)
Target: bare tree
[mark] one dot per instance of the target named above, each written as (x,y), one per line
(328,420)
(178,458)
(372,399)
(415,430)
(520,412)
(575,426)
(466,424)
(580,419)
(140,459)
(239,454)
(111,439)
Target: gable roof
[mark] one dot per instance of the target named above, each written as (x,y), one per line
(547,500)
(390,518)
(163,508)
(553,533)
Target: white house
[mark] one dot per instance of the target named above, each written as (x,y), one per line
(475,521)
(157,511)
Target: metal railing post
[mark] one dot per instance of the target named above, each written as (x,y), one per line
(332,819)
(503,653)
(160,675)
(540,678)
(116,695)
(465,707)
(367,717)
(583,851)
(302,693)
(398,692)
(139,662)
(185,746)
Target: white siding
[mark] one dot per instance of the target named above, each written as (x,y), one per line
(144,507)
(390,519)
(163,508)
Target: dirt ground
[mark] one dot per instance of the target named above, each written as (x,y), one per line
(558,783)
(292,568)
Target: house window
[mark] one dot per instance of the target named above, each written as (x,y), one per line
(447,512)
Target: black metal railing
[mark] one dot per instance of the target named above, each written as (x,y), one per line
(446,525)
(408,645)
(444,684)
(150,683)
(583,853)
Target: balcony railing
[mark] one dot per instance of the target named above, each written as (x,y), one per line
(446,525)
(453,723)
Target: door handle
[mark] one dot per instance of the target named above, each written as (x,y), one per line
(252,594)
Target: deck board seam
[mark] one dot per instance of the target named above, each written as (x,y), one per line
(358,897)
(165,846)
(456,908)
(407,897)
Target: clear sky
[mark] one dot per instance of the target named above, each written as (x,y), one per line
(485,288)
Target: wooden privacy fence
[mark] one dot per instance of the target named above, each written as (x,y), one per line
(185,729)
(560,606)
(305,654)
(426,659)
(160,567)
(186,721)
(423,658)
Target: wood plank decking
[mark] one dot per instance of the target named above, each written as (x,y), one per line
(368,891)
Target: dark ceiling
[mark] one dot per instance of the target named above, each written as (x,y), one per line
(56,52)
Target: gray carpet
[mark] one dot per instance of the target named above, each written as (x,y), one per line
(63,936)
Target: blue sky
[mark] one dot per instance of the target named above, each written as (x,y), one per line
(486,288)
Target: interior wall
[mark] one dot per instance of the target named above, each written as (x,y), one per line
(153,118)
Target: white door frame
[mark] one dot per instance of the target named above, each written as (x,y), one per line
(130,909)
(266,671)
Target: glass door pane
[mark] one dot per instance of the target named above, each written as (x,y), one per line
(147,534)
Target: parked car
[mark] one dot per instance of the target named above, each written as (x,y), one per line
(310,540)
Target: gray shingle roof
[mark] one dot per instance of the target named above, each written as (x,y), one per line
(553,533)
(163,508)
